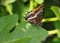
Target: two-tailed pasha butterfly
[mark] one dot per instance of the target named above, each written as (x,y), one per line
(35,16)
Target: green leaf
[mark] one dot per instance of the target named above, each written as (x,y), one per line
(6,24)
(25,0)
(39,1)
(8,1)
(56,40)
(21,10)
(27,40)
(57,26)
(23,33)
(26,30)
(56,10)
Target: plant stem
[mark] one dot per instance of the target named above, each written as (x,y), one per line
(31,5)
(50,19)
(52,32)
(9,9)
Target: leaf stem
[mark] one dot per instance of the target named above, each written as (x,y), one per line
(50,19)
(31,5)
(9,9)
(52,32)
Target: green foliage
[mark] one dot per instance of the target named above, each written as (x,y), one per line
(8,1)
(23,33)
(56,10)
(6,24)
(15,29)
(56,40)
(57,26)
(39,1)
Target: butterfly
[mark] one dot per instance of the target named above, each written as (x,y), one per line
(35,16)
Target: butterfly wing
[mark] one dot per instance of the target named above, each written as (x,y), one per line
(35,16)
